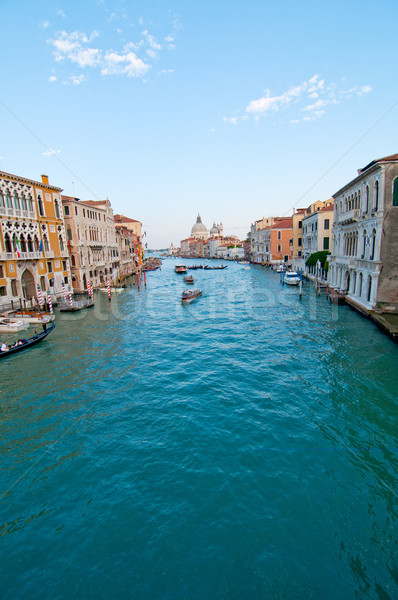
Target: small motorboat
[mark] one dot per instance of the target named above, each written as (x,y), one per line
(30,316)
(7,324)
(281,269)
(243,262)
(291,278)
(189,295)
(180,269)
(113,290)
(189,279)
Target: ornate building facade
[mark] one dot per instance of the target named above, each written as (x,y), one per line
(364,259)
(34,254)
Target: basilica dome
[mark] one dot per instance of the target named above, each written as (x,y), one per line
(199,230)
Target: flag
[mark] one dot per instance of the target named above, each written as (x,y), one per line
(41,246)
(17,248)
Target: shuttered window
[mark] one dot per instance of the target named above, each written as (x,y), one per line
(395,193)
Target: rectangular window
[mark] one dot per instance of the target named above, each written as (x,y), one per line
(3,290)
(326,224)
(75,210)
(300,224)
(326,243)
(64,265)
(299,253)
(66,210)
(300,242)
(1,271)
(395,193)
(49,267)
(279,247)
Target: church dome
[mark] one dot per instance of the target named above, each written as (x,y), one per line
(199,230)
(214,230)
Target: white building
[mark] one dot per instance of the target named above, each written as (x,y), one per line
(364,259)
(260,246)
(317,228)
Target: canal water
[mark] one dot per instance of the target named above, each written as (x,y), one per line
(241,447)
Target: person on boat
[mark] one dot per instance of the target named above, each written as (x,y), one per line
(4,347)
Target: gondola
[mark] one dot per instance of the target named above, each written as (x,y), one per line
(28,342)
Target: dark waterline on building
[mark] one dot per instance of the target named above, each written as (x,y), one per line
(241,447)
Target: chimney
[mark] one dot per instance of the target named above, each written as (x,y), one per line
(44,179)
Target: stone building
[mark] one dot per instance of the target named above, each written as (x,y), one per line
(34,254)
(364,259)
(317,228)
(91,236)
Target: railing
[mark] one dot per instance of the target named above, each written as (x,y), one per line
(349,216)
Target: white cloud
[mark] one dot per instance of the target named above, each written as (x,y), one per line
(45,24)
(61,13)
(51,152)
(52,79)
(232,120)
(311,97)
(77,47)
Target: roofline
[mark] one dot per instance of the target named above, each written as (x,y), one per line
(31,181)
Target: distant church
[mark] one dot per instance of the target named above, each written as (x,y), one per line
(199,230)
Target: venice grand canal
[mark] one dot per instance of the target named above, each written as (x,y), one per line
(241,447)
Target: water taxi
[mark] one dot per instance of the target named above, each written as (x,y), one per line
(7,324)
(180,269)
(189,279)
(189,295)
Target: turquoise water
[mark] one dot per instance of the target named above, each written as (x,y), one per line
(241,447)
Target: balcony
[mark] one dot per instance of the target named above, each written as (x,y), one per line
(351,216)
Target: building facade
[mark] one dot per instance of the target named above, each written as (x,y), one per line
(34,254)
(317,228)
(364,259)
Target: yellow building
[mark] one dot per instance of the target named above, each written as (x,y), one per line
(33,249)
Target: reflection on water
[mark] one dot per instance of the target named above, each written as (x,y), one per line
(243,446)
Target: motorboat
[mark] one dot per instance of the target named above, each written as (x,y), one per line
(189,279)
(7,324)
(113,290)
(30,316)
(243,262)
(281,269)
(189,295)
(180,269)
(291,278)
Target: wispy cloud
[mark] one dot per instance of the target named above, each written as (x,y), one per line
(51,152)
(308,100)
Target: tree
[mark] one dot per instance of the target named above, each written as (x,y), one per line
(321,256)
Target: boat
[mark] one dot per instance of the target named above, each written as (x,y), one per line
(113,290)
(243,262)
(7,324)
(291,278)
(189,279)
(207,268)
(189,295)
(26,343)
(180,269)
(281,269)
(30,316)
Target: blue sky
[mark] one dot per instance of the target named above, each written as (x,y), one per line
(234,110)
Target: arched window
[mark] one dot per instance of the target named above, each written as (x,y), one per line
(69,233)
(23,202)
(30,203)
(372,248)
(22,243)
(367,198)
(360,285)
(8,199)
(369,288)
(61,243)
(30,244)
(2,203)
(41,207)
(45,243)
(377,195)
(17,205)
(57,214)
(7,243)
(364,245)
(73,261)
(395,192)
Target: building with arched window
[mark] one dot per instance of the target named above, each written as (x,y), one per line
(364,260)
(32,240)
